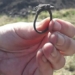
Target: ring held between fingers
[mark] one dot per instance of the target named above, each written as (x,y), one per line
(62,26)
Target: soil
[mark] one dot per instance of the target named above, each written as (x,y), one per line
(24,7)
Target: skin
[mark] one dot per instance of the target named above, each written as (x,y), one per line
(25,52)
(62,36)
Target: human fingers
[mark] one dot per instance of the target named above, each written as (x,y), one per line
(49,59)
(53,56)
(62,26)
(44,67)
(26,30)
(63,43)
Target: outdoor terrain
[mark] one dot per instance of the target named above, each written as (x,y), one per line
(21,10)
(24,7)
(65,14)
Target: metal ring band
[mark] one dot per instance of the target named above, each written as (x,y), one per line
(38,12)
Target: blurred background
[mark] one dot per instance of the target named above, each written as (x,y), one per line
(24,10)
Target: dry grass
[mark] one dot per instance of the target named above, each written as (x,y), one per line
(65,14)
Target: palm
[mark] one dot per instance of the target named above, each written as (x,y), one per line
(18,50)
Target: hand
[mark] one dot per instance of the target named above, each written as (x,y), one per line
(62,36)
(25,52)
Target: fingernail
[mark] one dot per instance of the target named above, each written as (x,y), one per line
(53,53)
(44,59)
(53,38)
(60,40)
(57,25)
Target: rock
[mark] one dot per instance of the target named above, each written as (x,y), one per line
(25,7)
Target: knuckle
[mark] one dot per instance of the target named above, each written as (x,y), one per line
(68,47)
(67,43)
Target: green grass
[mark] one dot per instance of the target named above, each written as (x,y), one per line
(65,14)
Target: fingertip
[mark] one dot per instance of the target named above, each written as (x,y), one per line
(53,38)
(41,62)
(47,49)
(43,24)
(57,25)
(44,66)
(40,57)
(51,26)
(64,27)
(54,57)
(54,25)
(56,38)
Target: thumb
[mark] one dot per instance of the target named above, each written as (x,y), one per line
(26,30)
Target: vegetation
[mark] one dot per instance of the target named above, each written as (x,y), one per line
(65,14)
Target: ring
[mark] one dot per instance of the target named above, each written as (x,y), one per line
(43,7)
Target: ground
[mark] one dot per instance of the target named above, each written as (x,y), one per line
(24,7)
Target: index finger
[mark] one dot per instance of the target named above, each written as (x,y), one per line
(62,26)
